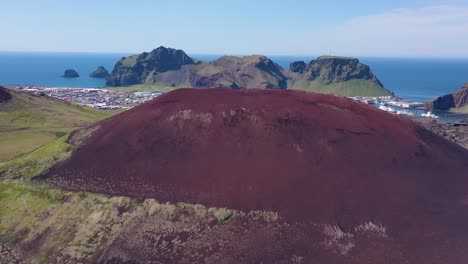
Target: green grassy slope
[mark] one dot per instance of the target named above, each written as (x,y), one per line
(147,87)
(38,161)
(461,110)
(28,122)
(347,88)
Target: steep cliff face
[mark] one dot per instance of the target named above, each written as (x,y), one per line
(170,67)
(137,68)
(340,75)
(298,66)
(174,68)
(460,97)
(444,102)
(457,99)
(338,69)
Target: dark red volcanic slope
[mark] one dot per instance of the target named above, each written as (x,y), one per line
(311,157)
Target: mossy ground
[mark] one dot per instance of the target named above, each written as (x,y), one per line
(348,88)
(461,110)
(28,122)
(36,162)
(148,87)
(45,224)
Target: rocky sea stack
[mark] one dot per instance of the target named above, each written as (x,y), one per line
(457,99)
(4,94)
(100,72)
(170,67)
(71,73)
(345,182)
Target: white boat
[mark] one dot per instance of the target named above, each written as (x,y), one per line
(430,114)
(387,109)
(408,113)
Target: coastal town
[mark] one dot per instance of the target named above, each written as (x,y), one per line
(97,98)
(101,98)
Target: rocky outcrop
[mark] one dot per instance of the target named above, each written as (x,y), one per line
(443,103)
(338,69)
(338,75)
(460,97)
(4,95)
(71,73)
(135,69)
(297,66)
(234,72)
(170,67)
(456,132)
(100,72)
(446,102)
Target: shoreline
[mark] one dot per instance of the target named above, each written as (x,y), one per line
(137,95)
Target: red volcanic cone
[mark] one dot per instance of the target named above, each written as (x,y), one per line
(312,158)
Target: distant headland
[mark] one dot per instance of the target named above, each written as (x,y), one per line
(174,68)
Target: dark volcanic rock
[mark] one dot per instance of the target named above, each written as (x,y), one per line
(70,73)
(100,72)
(297,66)
(322,162)
(338,69)
(135,69)
(456,132)
(456,100)
(4,94)
(442,103)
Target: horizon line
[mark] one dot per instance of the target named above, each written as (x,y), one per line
(239,54)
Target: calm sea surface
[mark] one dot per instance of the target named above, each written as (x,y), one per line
(412,79)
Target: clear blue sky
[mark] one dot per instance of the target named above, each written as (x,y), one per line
(432,28)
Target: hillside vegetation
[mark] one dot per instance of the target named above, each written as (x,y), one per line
(170,69)
(356,87)
(28,122)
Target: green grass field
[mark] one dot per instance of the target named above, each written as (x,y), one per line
(461,110)
(28,122)
(146,87)
(16,143)
(34,163)
(349,88)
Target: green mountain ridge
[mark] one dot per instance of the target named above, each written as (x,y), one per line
(166,67)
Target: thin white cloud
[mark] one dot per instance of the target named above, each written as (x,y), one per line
(438,31)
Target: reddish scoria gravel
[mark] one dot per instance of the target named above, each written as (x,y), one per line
(310,157)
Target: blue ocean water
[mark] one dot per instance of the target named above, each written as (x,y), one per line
(46,69)
(412,79)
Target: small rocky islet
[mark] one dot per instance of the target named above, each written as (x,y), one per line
(70,73)
(100,72)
